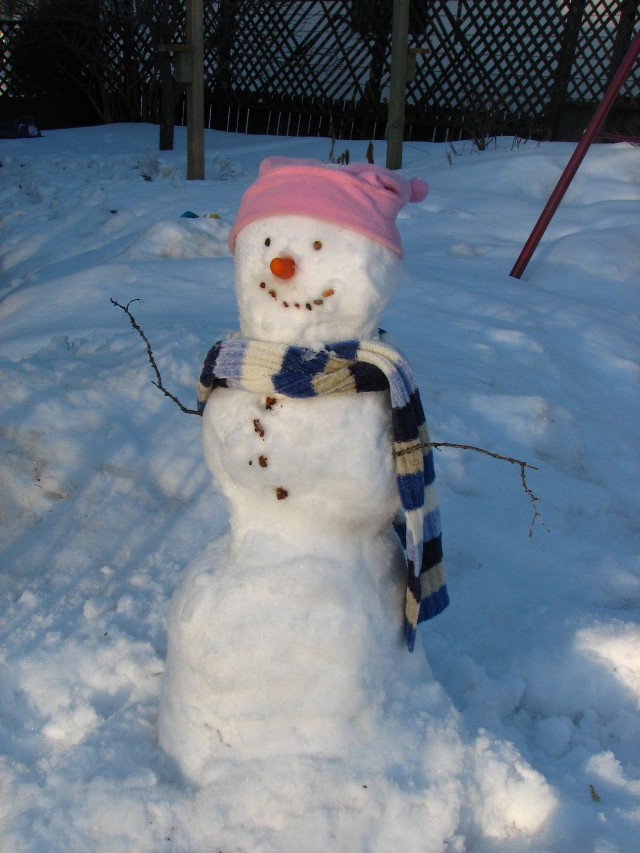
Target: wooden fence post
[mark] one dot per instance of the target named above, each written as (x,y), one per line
(195,92)
(398,84)
(167,83)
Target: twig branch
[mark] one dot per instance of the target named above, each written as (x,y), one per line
(523,466)
(158,382)
(523,478)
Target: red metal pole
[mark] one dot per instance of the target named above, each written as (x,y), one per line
(577,157)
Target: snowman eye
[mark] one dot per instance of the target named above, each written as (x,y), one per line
(317,245)
(267,242)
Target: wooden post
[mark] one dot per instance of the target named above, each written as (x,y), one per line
(562,76)
(168,104)
(167,84)
(195,91)
(398,84)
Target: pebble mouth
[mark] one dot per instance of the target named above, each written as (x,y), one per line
(286,303)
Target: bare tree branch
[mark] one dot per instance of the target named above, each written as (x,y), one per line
(523,466)
(158,383)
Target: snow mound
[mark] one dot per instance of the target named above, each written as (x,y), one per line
(182,240)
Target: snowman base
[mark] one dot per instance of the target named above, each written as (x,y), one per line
(386,796)
(286,675)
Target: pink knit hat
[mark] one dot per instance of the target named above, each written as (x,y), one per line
(362,197)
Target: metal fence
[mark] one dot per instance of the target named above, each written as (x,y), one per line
(321,67)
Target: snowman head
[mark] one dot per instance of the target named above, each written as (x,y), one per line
(317,251)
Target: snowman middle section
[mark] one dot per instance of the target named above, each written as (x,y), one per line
(311,469)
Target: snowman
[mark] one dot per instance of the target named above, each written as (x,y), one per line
(291,635)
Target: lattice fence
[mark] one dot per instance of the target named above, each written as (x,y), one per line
(322,67)
(8,33)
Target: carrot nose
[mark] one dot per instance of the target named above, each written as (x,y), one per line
(283,267)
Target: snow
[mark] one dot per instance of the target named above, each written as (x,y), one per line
(530,724)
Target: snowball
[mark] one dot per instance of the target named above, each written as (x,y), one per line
(338,291)
(511,798)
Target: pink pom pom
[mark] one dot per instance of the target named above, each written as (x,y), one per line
(419,189)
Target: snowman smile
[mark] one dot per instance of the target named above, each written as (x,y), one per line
(284,267)
(290,302)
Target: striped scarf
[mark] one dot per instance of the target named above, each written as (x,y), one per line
(352,367)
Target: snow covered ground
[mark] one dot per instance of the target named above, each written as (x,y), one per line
(104,499)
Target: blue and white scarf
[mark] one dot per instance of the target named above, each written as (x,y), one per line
(352,367)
